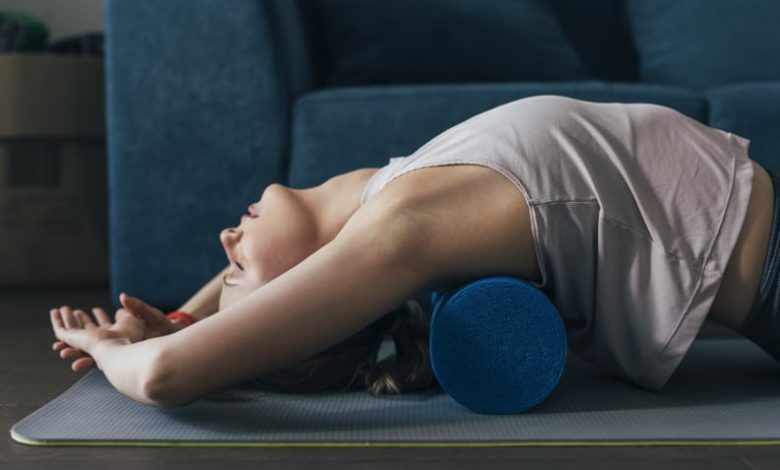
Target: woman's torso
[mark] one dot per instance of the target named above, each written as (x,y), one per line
(624,215)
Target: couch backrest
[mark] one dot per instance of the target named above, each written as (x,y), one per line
(301,51)
(700,44)
(609,36)
(598,30)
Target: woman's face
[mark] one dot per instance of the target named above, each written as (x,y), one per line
(279,232)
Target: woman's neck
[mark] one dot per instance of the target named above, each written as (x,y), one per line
(335,200)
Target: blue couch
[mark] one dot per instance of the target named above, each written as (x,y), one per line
(210,101)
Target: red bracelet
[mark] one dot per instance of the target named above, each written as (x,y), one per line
(183,317)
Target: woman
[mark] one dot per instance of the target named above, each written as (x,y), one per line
(637,221)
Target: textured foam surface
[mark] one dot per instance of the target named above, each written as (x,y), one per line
(726,391)
(497,345)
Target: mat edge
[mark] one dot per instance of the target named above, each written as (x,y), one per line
(23,440)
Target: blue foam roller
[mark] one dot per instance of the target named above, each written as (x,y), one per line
(497,344)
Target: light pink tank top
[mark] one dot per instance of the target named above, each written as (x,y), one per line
(635,210)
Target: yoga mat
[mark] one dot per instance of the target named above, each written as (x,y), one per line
(725,392)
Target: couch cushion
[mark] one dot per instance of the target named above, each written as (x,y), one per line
(342,129)
(701,43)
(424,41)
(751,110)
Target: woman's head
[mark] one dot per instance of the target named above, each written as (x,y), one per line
(279,231)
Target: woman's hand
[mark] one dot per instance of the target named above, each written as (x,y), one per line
(79,333)
(157,323)
(154,321)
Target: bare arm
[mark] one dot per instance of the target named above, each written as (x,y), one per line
(205,302)
(372,265)
(366,271)
(127,366)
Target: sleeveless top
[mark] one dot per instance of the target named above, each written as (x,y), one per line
(635,210)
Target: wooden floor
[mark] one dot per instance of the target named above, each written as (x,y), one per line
(32,374)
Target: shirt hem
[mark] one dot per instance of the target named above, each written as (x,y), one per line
(666,361)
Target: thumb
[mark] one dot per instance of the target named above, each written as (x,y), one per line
(141,308)
(128,304)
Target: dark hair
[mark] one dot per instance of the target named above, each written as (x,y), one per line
(352,364)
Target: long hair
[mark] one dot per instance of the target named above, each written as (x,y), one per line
(353,363)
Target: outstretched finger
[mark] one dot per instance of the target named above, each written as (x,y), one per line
(83,363)
(84,318)
(68,318)
(102,317)
(56,319)
(72,353)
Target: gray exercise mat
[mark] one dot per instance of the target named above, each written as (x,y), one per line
(726,391)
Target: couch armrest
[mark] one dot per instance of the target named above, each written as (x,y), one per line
(199,94)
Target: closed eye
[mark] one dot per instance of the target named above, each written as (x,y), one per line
(239,266)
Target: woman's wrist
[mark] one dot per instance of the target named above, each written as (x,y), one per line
(102,349)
